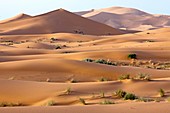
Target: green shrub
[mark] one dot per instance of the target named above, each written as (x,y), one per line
(132,56)
(161,92)
(101,61)
(107,102)
(120,93)
(88,60)
(82,101)
(124,77)
(130,96)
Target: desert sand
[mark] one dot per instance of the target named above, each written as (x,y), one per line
(44,67)
(127,18)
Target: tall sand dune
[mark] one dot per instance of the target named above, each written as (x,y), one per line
(58,21)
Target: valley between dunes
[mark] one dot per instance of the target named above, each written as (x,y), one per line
(53,69)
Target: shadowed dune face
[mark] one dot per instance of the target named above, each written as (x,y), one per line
(127,18)
(40,67)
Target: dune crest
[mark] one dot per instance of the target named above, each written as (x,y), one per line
(58,21)
(16,18)
(127,18)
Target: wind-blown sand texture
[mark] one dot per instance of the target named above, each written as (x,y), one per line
(44,66)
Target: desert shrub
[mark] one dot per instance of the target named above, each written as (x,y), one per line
(132,56)
(142,76)
(102,94)
(53,39)
(51,103)
(82,101)
(110,63)
(161,92)
(120,93)
(68,90)
(130,96)
(64,45)
(58,47)
(88,60)
(6,104)
(103,79)
(149,41)
(157,100)
(145,99)
(107,102)
(124,77)
(168,99)
(101,61)
(73,80)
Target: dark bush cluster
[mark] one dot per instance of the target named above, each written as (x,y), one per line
(132,56)
(100,61)
(124,77)
(6,104)
(125,95)
(120,93)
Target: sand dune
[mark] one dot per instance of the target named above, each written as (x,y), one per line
(42,62)
(15,18)
(44,24)
(23,91)
(127,18)
(62,70)
(132,108)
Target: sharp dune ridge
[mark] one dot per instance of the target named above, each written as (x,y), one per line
(57,22)
(75,64)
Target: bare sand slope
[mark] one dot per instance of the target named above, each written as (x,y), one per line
(128,108)
(127,18)
(63,70)
(113,55)
(57,22)
(38,94)
(65,37)
(15,18)
(34,72)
